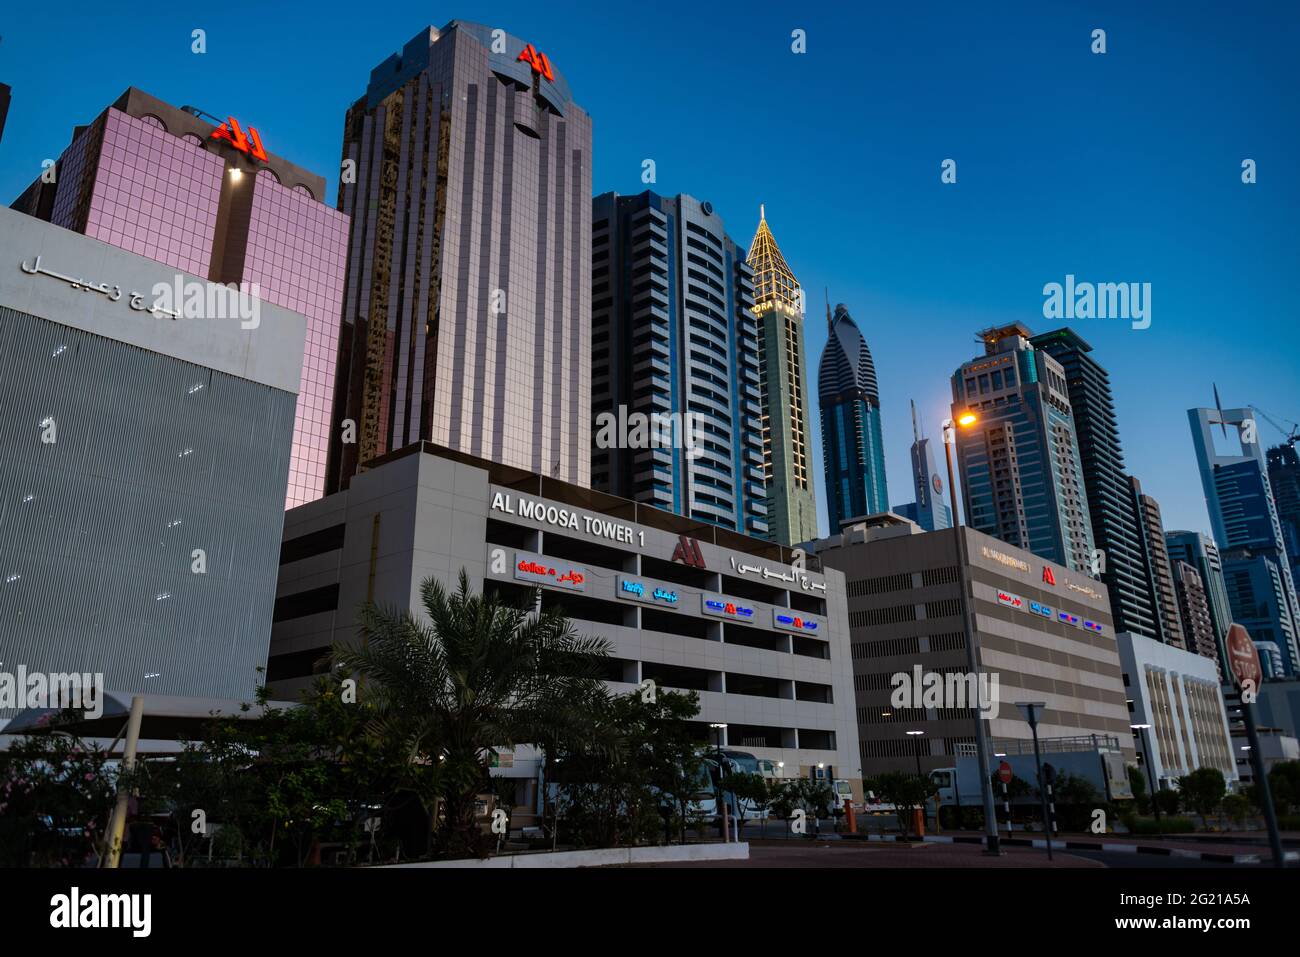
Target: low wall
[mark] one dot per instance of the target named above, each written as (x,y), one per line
(602,857)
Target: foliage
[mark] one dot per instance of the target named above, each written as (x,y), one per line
(1236,807)
(905,791)
(1169,802)
(1137,781)
(56,794)
(1284,782)
(610,783)
(1202,790)
(478,673)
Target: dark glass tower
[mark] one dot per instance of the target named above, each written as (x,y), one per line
(852,447)
(1115,526)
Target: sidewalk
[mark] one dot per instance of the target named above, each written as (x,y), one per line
(1171,846)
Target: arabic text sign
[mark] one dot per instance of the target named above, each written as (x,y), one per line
(791,577)
(136,300)
(549,571)
(652,593)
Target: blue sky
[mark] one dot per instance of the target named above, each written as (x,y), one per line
(1117,167)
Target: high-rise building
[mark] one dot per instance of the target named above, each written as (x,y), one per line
(675,341)
(1243,515)
(467,312)
(928,510)
(1160,576)
(207,199)
(1284,479)
(787,438)
(143,478)
(853,450)
(1201,553)
(1194,611)
(1021,472)
(1122,563)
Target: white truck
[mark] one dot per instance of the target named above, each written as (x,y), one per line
(1094,757)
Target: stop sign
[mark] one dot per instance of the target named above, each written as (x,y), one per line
(1243,658)
(1004,772)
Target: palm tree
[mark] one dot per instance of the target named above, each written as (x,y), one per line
(479,673)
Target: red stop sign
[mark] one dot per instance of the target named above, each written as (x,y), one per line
(1243,658)
(1004,772)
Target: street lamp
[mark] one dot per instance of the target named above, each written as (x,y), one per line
(1151,770)
(1031,710)
(722,795)
(917,750)
(965,420)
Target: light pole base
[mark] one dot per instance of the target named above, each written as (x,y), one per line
(993,847)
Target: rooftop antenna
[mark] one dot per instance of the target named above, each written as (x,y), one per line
(829,321)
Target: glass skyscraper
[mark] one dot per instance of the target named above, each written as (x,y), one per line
(203,199)
(787,449)
(1021,473)
(467,309)
(1116,526)
(929,510)
(675,341)
(1246,526)
(852,447)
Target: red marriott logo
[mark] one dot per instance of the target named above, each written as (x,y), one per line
(1048,577)
(538,61)
(688,552)
(231,132)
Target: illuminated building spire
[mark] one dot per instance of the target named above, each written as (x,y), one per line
(773,280)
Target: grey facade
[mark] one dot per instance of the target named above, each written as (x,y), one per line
(674,334)
(783,687)
(1045,630)
(131,441)
(467,309)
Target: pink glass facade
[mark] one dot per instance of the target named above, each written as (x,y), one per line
(155,194)
(126,180)
(296,253)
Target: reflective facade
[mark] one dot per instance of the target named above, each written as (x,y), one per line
(853,450)
(467,316)
(151,179)
(674,335)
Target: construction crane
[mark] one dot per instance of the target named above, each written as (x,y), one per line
(1292,434)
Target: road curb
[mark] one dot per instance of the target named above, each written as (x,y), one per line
(1217,857)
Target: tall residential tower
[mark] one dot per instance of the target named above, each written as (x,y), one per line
(675,341)
(787,449)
